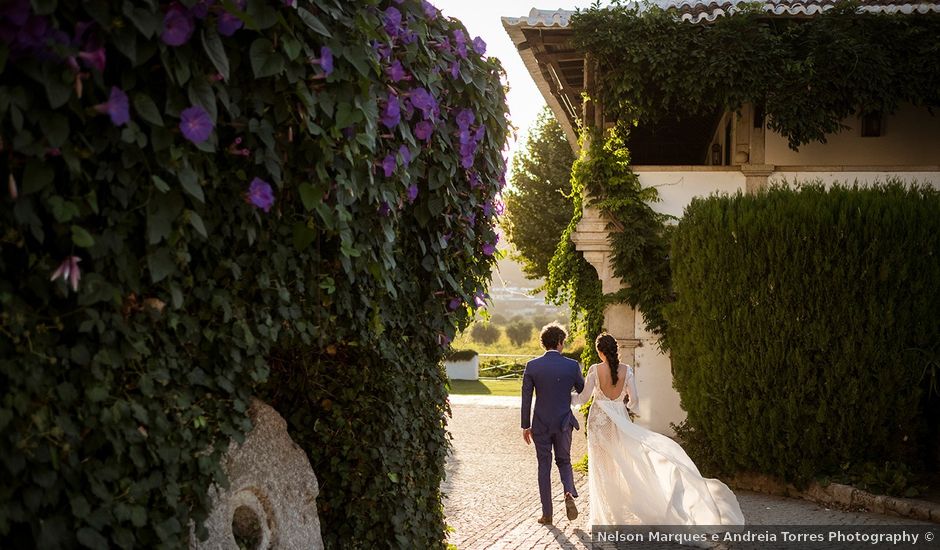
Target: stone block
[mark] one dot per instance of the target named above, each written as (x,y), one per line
(271,499)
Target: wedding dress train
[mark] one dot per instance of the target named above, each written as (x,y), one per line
(639,476)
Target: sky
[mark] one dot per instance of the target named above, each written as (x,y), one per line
(482,18)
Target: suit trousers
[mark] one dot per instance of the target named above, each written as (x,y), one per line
(545,443)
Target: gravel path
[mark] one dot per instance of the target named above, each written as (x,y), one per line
(492,496)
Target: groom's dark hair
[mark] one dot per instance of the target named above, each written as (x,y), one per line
(552,335)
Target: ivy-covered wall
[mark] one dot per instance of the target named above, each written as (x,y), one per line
(209,200)
(805,326)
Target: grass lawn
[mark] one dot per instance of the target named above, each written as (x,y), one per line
(486,387)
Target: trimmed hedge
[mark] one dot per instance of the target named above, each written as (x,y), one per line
(228,194)
(799,324)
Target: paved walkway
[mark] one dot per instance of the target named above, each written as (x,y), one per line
(492,497)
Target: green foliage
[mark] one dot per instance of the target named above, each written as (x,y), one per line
(638,238)
(538,203)
(571,279)
(485,333)
(118,399)
(652,66)
(519,332)
(796,318)
(460,354)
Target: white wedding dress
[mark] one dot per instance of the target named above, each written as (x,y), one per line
(636,476)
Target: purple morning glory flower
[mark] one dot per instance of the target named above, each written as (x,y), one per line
(201,9)
(395,71)
(423,130)
(95,59)
(489,249)
(454,303)
(260,194)
(196,124)
(465,118)
(326,60)
(472,219)
(405,154)
(116,106)
(177,26)
(69,271)
(429,10)
(479,300)
(464,137)
(460,41)
(392,21)
(290,3)
(388,164)
(423,100)
(383,50)
(454,69)
(384,209)
(412,192)
(478,135)
(391,115)
(408,37)
(487,209)
(479,45)
(474,180)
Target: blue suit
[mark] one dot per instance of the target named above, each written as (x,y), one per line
(552,376)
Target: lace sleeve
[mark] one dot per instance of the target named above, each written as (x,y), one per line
(589,382)
(633,397)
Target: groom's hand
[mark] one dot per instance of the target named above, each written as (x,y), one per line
(527,435)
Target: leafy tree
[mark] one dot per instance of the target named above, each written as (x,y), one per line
(485,333)
(538,203)
(519,332)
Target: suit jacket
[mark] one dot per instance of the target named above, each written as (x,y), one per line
(552,376)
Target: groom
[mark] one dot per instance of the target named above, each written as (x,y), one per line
(551,376)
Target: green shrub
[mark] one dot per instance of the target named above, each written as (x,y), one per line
(795,323)
(485,333)
(519,332)
(461,354)
(145,148)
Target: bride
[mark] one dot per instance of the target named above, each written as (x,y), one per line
(639,476)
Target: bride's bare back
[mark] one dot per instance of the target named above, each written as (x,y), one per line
(605,380)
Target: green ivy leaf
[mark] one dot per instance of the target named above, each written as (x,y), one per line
(190,183)
(55,127)
(260,14)
(309,196)
(314,23)
(158,182)
(147,109)
(200,93)
(62,210)
(216,51)
(81,237)
(44,7)
(196,221)
(148,22)
(58,89)
(161,265)
(37,176)
(303,236)
(92,539)
(264,60)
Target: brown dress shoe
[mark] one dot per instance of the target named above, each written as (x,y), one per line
(544,520)
(570,507)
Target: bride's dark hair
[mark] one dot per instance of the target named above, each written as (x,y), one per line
(607,345)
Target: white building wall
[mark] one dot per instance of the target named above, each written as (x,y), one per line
(911,138)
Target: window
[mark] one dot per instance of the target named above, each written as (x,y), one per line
(872,125)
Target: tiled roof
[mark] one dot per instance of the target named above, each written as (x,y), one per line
(696,11)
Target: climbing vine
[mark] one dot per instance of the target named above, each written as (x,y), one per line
(805,74)
(205,201)
(808,74)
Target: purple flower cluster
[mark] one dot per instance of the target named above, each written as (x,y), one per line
(116,107)
(469,140)
(195,124)
(27,34)
(460,43)
(424,102)
(179,21)
(391,114)
(260,194)
(69,271)
(424,130)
